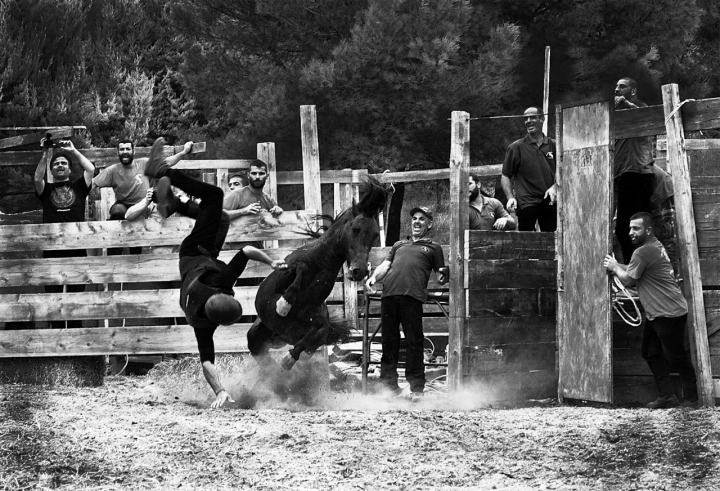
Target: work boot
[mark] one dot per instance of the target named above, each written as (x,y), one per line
(664,402)
(689,404)
(416,397)
(156,166)
(167,202)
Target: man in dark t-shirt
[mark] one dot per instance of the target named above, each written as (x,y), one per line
(63,200)
(405,273)
(528,176)
(206,288)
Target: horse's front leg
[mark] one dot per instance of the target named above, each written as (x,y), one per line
(289,298)
(314,338)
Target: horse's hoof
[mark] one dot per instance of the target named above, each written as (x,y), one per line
(288,361)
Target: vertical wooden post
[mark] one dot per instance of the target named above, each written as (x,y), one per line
(677,164)
(311,170)
(311,159)
(559,252)
(350,288)
(546,90)
(266,153)
(459,170)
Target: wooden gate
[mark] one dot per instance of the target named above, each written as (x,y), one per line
(584,311)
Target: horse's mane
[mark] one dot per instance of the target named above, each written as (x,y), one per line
(373,197)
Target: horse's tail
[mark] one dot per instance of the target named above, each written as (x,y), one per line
(339,330)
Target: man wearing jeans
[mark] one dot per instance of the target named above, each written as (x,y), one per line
(530,163)
(206,288)
(405,274)
(663,343)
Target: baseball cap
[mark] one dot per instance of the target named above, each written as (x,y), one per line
(423,209)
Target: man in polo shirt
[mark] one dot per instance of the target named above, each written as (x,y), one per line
(405,273)
(487,213)
(663,343)
(530,163)
(632,169)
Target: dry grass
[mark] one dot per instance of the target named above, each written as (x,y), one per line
(75,371)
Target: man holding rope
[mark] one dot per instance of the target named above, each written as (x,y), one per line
(206,289)
(663,342)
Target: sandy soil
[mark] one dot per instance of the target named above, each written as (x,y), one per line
(149,433)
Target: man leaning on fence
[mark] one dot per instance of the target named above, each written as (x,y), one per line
(63,200)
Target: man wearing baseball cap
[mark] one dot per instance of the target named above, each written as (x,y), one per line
(405,273)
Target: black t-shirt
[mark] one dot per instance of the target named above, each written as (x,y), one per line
(64,203)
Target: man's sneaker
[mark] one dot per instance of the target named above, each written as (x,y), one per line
(689,404)
(664,402)
(156,166)
(167,202)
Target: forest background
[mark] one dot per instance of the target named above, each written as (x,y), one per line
(384,75)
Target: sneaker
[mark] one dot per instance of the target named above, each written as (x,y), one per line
(167,202)
(664,402)
(156,166)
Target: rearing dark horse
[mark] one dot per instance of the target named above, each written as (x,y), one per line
(291,302)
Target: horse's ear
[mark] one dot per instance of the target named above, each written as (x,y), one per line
(373,197)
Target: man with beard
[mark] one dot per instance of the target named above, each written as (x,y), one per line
(405,273)
(663,341)
(251,199)
(128,180)
(530,163)
(486,213)
(63,201)
(632,172)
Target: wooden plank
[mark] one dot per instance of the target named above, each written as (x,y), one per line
(141,232)
(711,299)
(499,331)
(511,302)
(518,245)
(585,320)
(436,174)
(559,238)
(113,304)
(511,358)
(698,115)
(311,159)
(58,133)
(346,176)
(459,171)
(686,240)
(101,157)
(507,273)
(111,269)
(145,340)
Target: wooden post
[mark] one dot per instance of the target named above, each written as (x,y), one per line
(459,170)
(266,153)
(546,91)
(559,252)
(311,170)
(677,164)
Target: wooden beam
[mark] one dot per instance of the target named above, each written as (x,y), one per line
(58,133)
(698,115)
(145,232)
(145,340)
(111,269)
(495,244)
(687,243)
(459,171)
(546,91)
(311,159)
(126,304)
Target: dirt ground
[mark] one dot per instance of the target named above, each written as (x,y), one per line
(157,432)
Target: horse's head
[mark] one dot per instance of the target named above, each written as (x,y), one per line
(361,229)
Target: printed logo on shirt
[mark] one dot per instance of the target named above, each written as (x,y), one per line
(425,250)
(62,197)
(550,156)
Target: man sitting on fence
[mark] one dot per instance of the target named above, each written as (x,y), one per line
(129,182)
(405,274)
(63,201)
(206,290)
(663,341)
(487,213)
